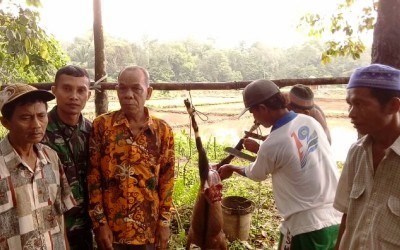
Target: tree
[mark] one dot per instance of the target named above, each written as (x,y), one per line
(385,47)
(27,53)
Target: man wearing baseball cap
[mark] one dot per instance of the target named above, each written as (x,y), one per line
(298,157)
(368,192)
(34,191)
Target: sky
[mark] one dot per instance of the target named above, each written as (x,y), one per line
(226,22)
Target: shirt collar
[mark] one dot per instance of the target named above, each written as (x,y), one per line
(12,158)
(120,119)
(366,142)
(285,119)
(54,118)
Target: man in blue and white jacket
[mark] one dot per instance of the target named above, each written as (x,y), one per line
(298,156)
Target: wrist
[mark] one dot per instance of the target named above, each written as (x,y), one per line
(164,223)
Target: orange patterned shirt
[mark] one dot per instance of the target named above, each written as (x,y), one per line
(131,179)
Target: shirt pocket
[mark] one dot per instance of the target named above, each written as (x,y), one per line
(357,191)
(389,224)
(394,206)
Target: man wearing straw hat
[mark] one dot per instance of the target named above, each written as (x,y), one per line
(34,191)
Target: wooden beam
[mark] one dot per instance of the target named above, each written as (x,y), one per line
(222,85)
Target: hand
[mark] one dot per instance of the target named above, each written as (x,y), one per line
(162,237)
(104,237)
(225,171)
(251,145)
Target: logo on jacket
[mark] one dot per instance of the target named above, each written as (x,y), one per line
(305,142)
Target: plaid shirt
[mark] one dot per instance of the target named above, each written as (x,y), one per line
(370,199)
(32,202)
(72,146)
(131,178)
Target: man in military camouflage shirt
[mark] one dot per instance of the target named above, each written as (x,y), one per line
(68,134)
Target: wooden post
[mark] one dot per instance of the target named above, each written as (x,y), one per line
(100,97)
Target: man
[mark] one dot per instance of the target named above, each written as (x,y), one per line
(131,174)
(34,191)
(368,193)
(68,134)
(298,157)
(299,99)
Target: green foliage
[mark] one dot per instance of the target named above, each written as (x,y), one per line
(346,35)
(265,219)
(27,53)
(189,61)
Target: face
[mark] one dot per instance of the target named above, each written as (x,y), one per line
(71,93)
(366,113)
(27,124)
(262,115)
(132,92)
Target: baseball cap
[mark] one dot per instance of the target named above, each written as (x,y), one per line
(256,92)
(16,90)
(375,76)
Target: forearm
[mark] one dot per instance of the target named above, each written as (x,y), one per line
(166,180)
(165,190)
(65,237)
(341,231)
(239,170)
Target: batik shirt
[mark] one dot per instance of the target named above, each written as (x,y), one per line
(32,203)
(72,146)
(131,178)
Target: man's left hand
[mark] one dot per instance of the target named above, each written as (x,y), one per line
(162,237)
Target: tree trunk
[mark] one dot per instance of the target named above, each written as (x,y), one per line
(386,43)
(100,97)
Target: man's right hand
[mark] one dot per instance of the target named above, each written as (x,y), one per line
(104,237)
(251,145)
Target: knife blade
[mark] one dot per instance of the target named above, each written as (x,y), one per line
(239,154)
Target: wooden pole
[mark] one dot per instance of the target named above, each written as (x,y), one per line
(100,98)
(222,85)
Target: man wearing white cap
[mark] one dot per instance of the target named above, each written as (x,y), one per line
(298,157)
(34,191)
(368,192)
(301,101)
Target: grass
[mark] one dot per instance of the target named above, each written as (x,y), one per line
(265,221)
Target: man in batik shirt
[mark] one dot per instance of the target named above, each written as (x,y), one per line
(34,192)
(68,134)
(131,173)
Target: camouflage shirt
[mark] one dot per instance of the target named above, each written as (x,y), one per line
(71,145)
